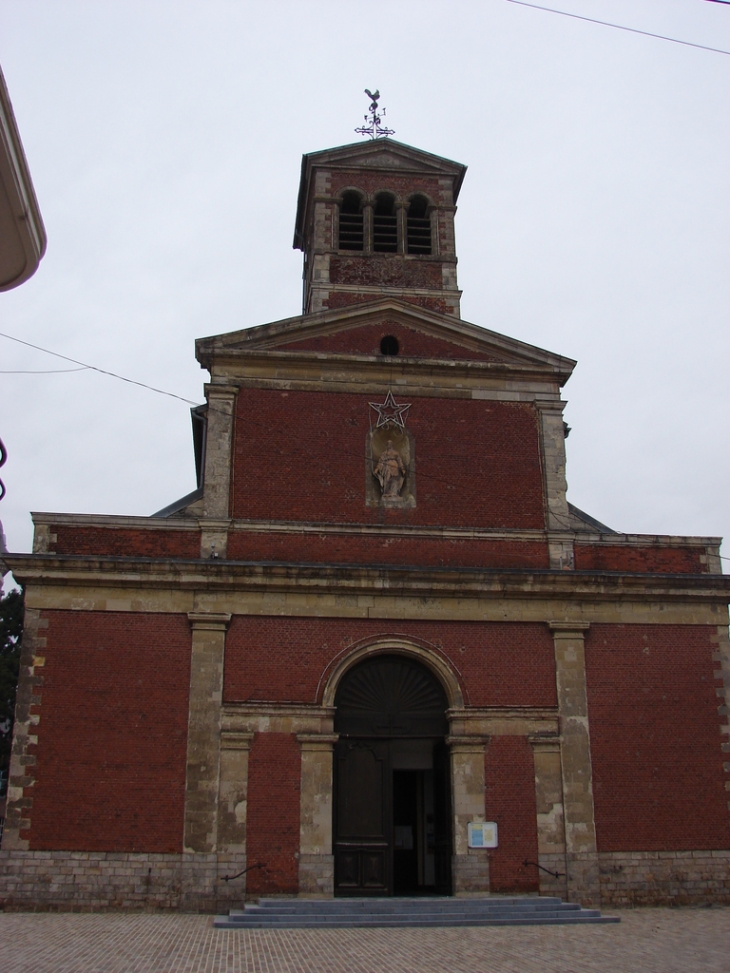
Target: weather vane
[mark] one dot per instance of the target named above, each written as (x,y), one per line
(372,126)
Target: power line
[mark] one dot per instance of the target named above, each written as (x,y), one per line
(93,368)
(43,371)
(631,30)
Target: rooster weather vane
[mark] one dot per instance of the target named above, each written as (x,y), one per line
(372,126)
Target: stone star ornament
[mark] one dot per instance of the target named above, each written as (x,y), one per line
(390,413)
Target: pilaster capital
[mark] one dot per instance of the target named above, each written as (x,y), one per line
(214,391)
(317,741)
(209,621)
(236,740)
(544,743)
(568,630)
(467,744)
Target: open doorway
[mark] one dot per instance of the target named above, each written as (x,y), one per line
(392,804)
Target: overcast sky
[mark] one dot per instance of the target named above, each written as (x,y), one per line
(165,139)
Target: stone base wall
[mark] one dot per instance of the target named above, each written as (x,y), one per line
(80,881)
(470,874)
(664,877)
(549,885)
(316,876)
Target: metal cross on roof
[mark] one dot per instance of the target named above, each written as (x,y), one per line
(372,126)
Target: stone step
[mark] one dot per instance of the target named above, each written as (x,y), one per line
(392,912)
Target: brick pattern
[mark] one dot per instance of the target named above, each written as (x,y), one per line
(663,560)
(273,814)
(270,658)
(509,777)
(665,877)
(373,182)
(645,941)
(386,270)
(400,550)
(366,341)
(349,298)
(302,456)
(125,542)
(656,738)
(110,771)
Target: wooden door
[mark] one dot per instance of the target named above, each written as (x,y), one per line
(363,825)
(442,817)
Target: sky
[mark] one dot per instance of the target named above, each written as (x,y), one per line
(165,139)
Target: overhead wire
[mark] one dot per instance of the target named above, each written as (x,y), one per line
(250,421)
(631,30)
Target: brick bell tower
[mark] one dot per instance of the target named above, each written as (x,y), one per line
(376,219)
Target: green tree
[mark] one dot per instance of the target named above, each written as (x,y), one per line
(11,631)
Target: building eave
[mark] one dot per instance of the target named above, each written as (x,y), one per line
(21,226)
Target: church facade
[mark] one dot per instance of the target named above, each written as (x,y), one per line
(376,652)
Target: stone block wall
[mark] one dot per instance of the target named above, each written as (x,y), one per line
(92,881)
(664,877)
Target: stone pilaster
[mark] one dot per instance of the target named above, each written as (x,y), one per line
(316,860)
(556,486)
(202,779)
(581,857)
(22,777)
(470,866)
(550,816)
(214,538)
(218,452)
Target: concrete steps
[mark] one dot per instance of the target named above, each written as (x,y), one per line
(422,911)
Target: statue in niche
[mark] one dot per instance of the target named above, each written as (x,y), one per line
(390,472)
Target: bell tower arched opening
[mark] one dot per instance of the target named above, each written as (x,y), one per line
(392,806)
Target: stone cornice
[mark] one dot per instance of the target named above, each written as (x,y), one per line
(115,521)
(461,583)
(370,373)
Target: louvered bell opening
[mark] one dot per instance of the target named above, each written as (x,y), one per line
(419,235)
(385,225)
(351,223)
(418,226)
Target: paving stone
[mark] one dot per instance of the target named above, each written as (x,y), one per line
(651,940)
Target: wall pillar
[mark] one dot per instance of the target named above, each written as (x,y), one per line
(202,771)
(470,866)
(232,813)
(550,816)
(581,856)
(218,454)
(316,860)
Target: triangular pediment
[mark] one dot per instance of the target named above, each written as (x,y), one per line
(355,332)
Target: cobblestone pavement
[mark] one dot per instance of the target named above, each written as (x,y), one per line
(646,941)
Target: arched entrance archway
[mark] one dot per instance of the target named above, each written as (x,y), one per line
(392,806)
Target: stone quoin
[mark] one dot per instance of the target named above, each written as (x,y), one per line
(376,624)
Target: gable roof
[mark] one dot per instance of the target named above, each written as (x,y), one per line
(476,342)
(372,154)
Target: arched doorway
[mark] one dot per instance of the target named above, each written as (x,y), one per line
(392,807)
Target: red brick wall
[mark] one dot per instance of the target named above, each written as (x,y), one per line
(366,341)
(112,737)
(361,549)
(301,456)
(285,659)
(665,560)
(385,270)
(347,299)
(272,830)
(655,738)
(372,182)
(509,795)
(125,542)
